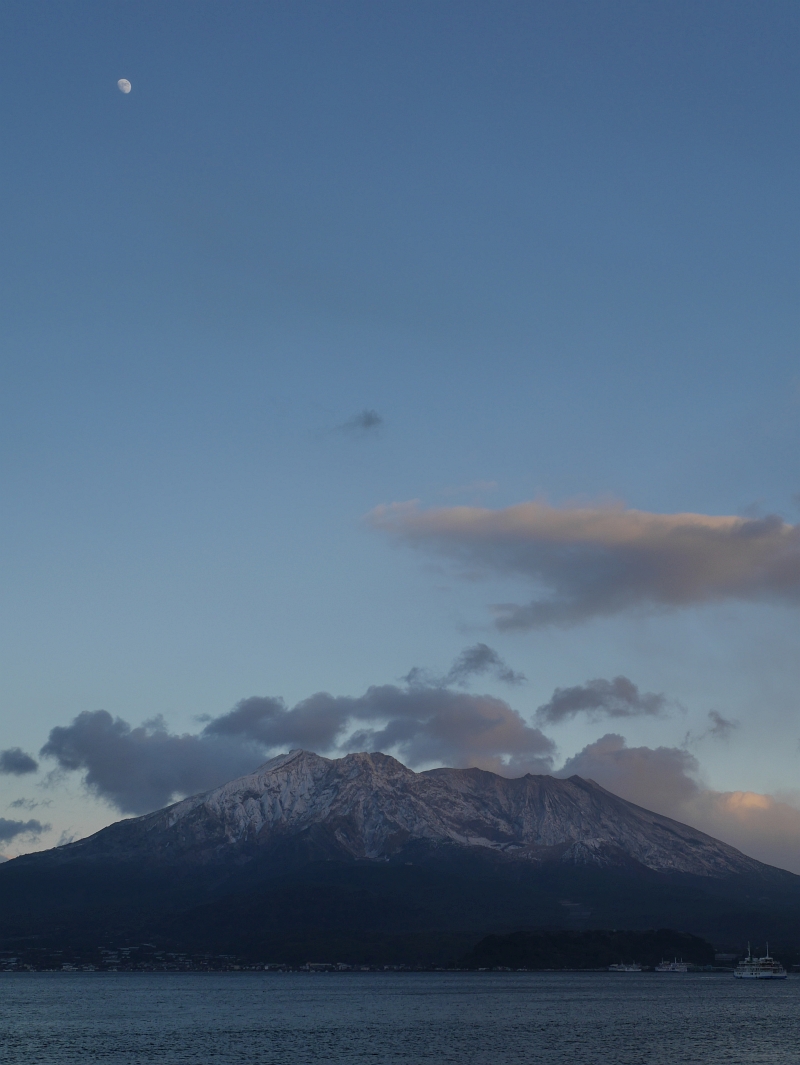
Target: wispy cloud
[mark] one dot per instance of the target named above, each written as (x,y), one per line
(619,697)
(15,761)
(596,561)
(365,421)
(476,661)
(29,804)
(720,727)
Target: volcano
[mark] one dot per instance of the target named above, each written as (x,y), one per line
(361,858)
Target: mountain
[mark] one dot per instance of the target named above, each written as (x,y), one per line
(371,807)
(360,858)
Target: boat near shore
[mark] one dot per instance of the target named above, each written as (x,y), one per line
(634,967)
(765,968)
(674,966)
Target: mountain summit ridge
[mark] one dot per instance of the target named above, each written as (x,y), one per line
(371,806)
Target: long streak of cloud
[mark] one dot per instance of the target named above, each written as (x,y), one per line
(596,561)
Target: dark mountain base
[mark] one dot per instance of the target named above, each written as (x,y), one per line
(423,907)
(596,949)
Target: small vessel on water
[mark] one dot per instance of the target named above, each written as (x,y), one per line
(765,968)
(672,966)
(634,967)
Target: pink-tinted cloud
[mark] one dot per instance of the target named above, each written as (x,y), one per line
(590,561)
(667,780)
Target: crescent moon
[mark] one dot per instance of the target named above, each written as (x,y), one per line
(124,85)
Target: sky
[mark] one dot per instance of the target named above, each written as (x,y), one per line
(415,377)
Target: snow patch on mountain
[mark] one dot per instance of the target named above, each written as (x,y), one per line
(373,806)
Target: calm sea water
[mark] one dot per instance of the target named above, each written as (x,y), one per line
(486,1018)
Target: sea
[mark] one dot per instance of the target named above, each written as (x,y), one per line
(263,1018)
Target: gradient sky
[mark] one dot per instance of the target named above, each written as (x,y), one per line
(330,257)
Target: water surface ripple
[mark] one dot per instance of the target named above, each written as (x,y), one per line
(375,1018)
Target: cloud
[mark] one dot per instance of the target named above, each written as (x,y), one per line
(651,777)
(29,804)
(667,780)
(15,760)
(143,768)
(619,697)
(597,561)
(480,659)
(421,723)
(315,723)
(721,727)
(474,661)
(364,422)
(11,829)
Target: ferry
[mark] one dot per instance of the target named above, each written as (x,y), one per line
(672,966)
(765,968)
(634,967)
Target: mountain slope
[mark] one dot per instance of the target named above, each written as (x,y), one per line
(373,807)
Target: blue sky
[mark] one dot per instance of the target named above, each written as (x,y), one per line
(554,246)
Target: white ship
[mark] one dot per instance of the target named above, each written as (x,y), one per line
(672,966)
(634,967)
(765,968)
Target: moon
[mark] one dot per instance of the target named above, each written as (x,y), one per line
(124,85)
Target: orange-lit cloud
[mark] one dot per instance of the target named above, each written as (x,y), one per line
(592,561)
(666,779)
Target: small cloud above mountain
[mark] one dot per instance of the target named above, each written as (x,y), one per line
(366,421)
(619,697)
(475,661)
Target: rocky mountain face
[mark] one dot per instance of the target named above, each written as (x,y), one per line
(370,806)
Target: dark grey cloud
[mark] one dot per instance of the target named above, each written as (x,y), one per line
(364,422)
(597,561)
(141,769)
(421,723)
(11,829)
(15,760)
(316,723)
(619,697)
(438,725)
